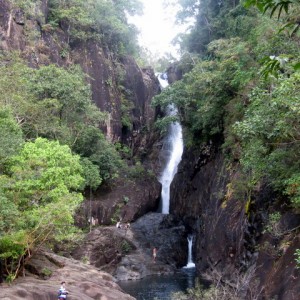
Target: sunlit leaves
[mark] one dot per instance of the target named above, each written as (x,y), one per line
(272,65)
(38,199)
(43,172)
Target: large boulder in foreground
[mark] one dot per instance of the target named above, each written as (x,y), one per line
(83,281)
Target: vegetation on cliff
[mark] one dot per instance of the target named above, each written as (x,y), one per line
(52,147)
(234,91)
(241,90)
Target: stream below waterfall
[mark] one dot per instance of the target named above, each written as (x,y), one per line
(160,287)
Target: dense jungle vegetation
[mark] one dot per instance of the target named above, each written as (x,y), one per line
(51,144)
(241,89)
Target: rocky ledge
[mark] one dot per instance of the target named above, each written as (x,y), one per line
(127,255)
(83,281)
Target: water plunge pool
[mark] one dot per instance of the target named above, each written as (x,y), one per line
(160,287)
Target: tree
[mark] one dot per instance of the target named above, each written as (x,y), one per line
(270,136)
(11,136)
(40,191)
(106,18)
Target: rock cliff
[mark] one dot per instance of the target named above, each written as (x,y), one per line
(234,244)
(109,75)
(112,78)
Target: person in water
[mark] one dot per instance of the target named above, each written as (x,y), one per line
(154,253)
(62,293)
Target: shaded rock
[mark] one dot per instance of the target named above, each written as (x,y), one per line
(127,254)
(19,17)
(164,232)
(123,199)
(104,247)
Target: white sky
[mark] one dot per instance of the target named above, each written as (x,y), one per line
(157,27)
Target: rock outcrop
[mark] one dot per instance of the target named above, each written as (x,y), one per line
(83,281)
(231,235)
(127,254)
(124,199)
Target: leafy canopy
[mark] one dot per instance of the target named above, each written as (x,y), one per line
(38,199)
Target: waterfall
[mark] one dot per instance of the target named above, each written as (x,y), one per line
(190,263)
(173,145)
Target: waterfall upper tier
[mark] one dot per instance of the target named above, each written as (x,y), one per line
(173,147)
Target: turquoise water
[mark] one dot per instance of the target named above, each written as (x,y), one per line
(160,287)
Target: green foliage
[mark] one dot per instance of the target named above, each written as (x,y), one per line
(226,94)
(202,293)
(203,93)
(126,109)
(11,136)
(108,160)
(289,11)
(270,135)
(46,272)
(29,7)
(43,173)
(38,199)
(293,189)
(12,248)
(297,254)
(125,199)
(125,247)
(273,226)
(137,170)
(90,174)
(272,6)
(124,150)
(51,102)
(9,213)
(116,216)
(98,19)
(55,103)
(162,124)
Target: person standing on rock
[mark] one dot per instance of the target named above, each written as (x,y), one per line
(154,253)
(62,293)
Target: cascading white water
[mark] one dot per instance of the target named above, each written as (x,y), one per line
(190,263)
(174,145)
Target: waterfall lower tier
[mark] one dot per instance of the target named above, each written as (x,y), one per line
(190,263)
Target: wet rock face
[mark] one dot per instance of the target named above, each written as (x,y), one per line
(230,238)
(165,233)
(197,193)
(122,200)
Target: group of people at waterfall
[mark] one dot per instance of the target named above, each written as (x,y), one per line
(125,226)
